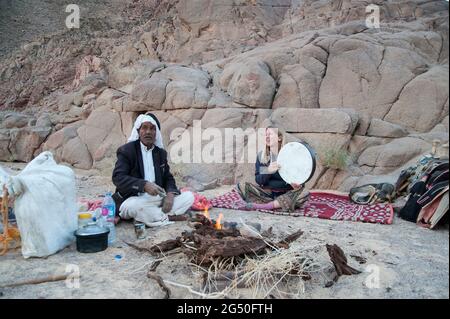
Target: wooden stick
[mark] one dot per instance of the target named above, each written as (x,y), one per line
(155,265)
(37,281)
(160,282)
(339,260)
(292,237)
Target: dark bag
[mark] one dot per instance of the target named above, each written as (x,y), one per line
(421,171)
(372,193)
(411,210)
(432,183)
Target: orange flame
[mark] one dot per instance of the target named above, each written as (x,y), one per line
(206,213)
(218,225)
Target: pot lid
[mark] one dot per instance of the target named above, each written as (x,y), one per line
(91,229)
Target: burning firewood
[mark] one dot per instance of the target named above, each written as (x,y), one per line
(210,248)
(166,245)
(209,240)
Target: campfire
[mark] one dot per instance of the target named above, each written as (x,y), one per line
(229,256)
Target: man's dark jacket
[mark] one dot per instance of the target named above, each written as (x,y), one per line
(128,175)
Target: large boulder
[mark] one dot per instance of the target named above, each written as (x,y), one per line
(108,97)
(185,74)
(169,126)
(200,153)
(185,95)
(300,83)
(358,144)
(25,141)
(423,102)
(323,142)
(76,153)
(15,120)
(150,93)
(122,73)
(385,158)
(102,133)
(367,75)
(249,84)
(380,128)
(57,141)
(236,118)
(342,121)
(220,119)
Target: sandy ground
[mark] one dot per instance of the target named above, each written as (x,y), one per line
(412,262)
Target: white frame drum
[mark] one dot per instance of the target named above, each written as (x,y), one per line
(298,163)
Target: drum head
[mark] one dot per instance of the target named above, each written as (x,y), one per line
(298,163)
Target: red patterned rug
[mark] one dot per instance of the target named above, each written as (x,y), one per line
(323,205)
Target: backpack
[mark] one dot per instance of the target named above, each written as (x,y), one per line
(408,177)
(429,186)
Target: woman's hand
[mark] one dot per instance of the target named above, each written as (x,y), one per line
(296,186)
(273,168)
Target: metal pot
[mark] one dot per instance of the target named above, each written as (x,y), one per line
(92,238)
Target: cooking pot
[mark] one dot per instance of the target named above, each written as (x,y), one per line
(92,238)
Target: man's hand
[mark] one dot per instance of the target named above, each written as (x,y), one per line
(168,203)
(273,168)
(153,189)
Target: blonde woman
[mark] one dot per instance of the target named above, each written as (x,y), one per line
(271,191)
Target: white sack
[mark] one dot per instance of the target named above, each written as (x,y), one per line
(45,206)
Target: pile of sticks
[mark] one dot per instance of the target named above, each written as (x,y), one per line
(229,260)
(205,243)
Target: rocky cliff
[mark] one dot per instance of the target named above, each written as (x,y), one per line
(312,68)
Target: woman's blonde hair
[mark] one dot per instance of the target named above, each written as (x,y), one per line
(266,156)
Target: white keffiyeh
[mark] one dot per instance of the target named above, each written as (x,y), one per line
(134,136)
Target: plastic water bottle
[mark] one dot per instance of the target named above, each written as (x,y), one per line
(97,215)
(108,215)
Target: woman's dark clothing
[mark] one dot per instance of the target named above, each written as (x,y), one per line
(270,182)
(271,187)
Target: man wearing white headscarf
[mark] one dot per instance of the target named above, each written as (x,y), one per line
(146,190)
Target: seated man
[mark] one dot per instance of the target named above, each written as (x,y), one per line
(146,190)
